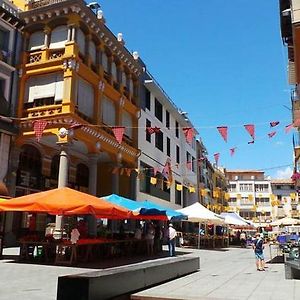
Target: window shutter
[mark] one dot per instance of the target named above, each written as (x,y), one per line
(85,98)
(108,111)
(36,40)
(127,123)
(59,36)
(93,52)
(81,41)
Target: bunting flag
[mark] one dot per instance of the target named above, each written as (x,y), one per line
(152,130)
(192,189)
(118,132)
(217,156)
(251,142)
(232,151)
(179,187)
(288,128)
(189,134)
(271,134)
(155,170)
(167,172)
(153,180)
(189,165)
(250,129)
(274,123)
(223,130)
(39,127)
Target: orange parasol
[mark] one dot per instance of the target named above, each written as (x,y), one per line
(65,201)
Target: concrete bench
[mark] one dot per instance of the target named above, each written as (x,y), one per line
(292,269)
(109,283)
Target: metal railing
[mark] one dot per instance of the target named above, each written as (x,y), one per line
(41,3)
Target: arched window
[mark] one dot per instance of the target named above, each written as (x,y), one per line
(81,41)
(114,71)
(30,168)
(82,175)
(55,167)
(36,40)
(59,37)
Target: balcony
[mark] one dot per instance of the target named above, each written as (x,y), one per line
(31,110)
(44,55)
(33,4)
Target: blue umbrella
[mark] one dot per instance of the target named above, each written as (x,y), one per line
(138,208)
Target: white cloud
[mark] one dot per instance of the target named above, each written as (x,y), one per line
(285,173)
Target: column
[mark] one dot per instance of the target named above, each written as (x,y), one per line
(91,220)
(62,182)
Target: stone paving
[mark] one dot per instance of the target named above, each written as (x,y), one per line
(229,274)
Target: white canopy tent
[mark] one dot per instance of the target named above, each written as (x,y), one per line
(233,219)
(197,213)
(285,221)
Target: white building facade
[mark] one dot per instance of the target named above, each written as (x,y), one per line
(250,195)
(167,145)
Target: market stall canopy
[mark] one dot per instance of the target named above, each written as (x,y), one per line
(233,218)
(139,210)
(285,221)
(198,213)
(65,201)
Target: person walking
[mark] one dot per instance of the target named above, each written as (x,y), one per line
(258,246)
(243,239)
(172,240)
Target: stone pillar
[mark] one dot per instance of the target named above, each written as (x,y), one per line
(47,36)
(62,182)
(92,223)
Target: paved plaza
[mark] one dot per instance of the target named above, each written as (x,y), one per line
(224,274)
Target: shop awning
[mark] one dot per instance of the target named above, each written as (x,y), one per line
(140,210)
(285,221)
(65,201)
(234,219)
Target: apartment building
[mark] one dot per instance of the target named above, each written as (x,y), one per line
(167,147)
(78,80)
(285,199)
(250,195)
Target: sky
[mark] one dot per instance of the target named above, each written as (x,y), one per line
(224,63)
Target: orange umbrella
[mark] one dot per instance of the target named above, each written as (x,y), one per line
(65,201)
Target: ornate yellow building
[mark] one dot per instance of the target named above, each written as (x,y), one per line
(75,71)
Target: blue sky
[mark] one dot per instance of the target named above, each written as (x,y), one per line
(221,61)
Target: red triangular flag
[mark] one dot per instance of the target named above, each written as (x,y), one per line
(223,130)
(232,151)
(288,128)
(271,134)
(39,127)
(152,130)
(217,156)
(274,123)
(250,129)
(155,170)
(118,132)
(189,134)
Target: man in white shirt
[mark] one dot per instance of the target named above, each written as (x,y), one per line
(171,240)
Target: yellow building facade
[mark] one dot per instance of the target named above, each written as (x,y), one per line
(74,71)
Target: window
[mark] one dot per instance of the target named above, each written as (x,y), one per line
(177,129)
(85,98)
(158,110)
(105,62)
(193,162)
(232,187)
(48,86)
(4,39)
(36,40)
(108,111)
(4,105)
(159,141)
(147,99)
(177,194)
(261,188)
(167,119)
(148,135)
(59,37)
(127,123)
(246,187)
(93,52)
(177,154)
(168,147)
(145,180)
(114,71)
